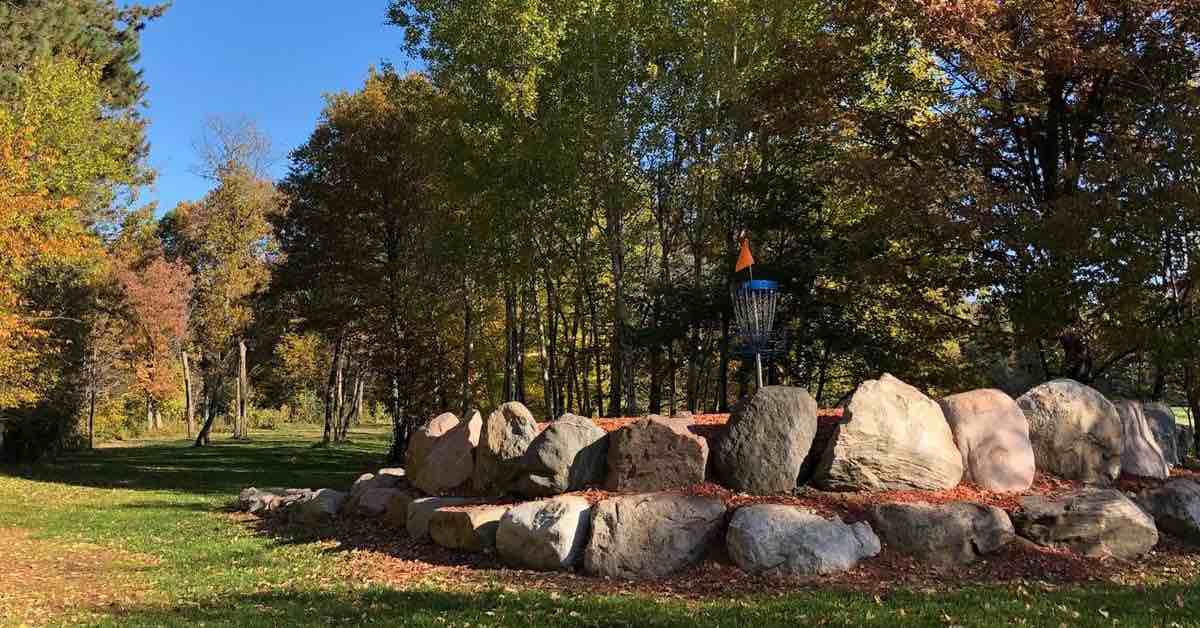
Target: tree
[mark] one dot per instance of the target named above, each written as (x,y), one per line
(1049,155)
(54,271)
(226,240)
(102,40)
(360,240)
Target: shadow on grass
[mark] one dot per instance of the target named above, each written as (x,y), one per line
(1100,606)
(223,468)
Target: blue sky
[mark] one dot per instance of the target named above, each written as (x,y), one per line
(269,60)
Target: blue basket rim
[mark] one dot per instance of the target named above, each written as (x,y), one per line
(758,284)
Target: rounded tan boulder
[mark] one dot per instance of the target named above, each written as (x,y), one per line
(421,441)
(893,438)
(992,435)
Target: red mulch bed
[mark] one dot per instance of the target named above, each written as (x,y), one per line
(383,554)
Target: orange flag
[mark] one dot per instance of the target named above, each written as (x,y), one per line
(745,258)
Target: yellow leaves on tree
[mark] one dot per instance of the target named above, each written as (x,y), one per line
(39,225)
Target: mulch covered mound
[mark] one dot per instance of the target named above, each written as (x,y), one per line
(383,554)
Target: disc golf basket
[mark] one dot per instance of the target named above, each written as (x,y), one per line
(754,304)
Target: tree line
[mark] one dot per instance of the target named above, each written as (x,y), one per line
(964,194)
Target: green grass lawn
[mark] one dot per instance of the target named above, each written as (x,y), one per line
(136,535)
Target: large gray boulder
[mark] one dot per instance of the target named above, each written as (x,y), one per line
(1175,507)
(466,528)
(420,511)
(320,508)
(503,441)
(781,541)
(421,441)
(1092,522)
(1165,429)
(655,454)
(651,535)
(944,535)
(992,435)
(1141,454)
(764,445)
(546,535)
(1075,431)
(894,438)
(450,461)
(567,456)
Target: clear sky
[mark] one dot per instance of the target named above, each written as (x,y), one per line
(271,60)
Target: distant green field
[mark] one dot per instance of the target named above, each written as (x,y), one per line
(136,535)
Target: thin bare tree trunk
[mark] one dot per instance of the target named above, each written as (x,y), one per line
(243,390)
(468,345)
(189,396)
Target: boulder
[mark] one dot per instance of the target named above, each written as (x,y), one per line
(1092,522)
(466,528)
(503,441)
(374,502)
(783,541)
(369,482)
(319,508)
(1164,428)
(396,513)
(992,435)
(392,471)
(420,511)
(768,436)
(546,535)
(1074,430)
(651,535)
(1175,507)
(943,535)
(263,502)
(450,461)
(1141,454)
(568,455)
(654,454)
(421,441)
(893,438)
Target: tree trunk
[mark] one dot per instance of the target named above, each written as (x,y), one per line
(243,390)
(339,397)
(92,402)
(522,339)
(672,372)
(617,349)
(723,370)
(599,403)
(149,414)
(330,383)
(1077,356)
(468,345)
(189,396)
(399,425)
(510,343)
(655,405)
(202,438)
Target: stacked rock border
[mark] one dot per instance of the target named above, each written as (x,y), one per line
(506,485)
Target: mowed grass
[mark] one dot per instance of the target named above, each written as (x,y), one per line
(143,528)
